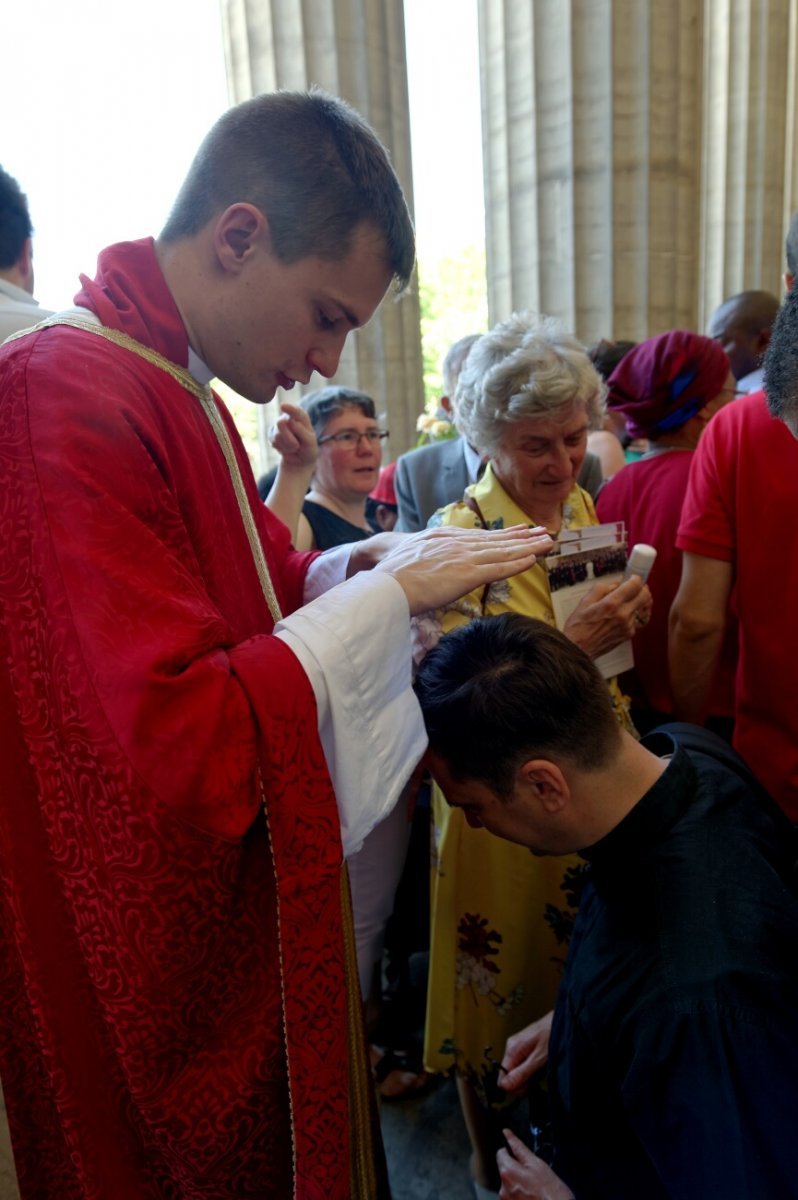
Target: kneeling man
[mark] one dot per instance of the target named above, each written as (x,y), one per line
(672,1055)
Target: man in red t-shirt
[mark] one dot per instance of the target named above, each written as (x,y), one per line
(738,530)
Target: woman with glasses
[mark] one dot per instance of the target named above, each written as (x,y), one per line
(349,443)
(333,512)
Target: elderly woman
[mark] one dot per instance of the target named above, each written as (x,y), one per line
(501,918)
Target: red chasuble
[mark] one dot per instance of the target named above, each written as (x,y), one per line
(172,997)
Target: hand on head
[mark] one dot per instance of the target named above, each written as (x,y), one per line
(437,566)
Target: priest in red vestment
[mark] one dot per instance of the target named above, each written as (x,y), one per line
(175,1020)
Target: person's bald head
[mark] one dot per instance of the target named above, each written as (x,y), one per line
(742,324)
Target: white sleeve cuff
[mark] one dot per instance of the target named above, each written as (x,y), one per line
(354,645)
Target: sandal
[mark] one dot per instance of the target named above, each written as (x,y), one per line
(394,1075)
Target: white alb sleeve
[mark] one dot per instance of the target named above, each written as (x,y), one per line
(354,645)
(326,571)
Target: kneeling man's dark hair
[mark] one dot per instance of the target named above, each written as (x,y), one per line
(502,690)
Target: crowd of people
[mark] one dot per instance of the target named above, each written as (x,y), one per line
(237,714)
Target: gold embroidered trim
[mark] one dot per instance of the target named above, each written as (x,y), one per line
(283,1001)
(362,1175)
(205,396)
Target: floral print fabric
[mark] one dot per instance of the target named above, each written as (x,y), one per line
(501,918)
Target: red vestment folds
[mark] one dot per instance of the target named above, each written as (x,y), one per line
(172,997)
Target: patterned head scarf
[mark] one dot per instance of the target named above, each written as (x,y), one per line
(663,382)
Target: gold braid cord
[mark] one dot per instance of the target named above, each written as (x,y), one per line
(363,1176)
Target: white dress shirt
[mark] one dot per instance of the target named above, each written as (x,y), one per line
(752,382)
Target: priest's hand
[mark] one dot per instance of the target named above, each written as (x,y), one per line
(365,555)
(525,1053)
(439,565)
(524,1176)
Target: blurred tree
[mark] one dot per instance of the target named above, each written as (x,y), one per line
(454,302)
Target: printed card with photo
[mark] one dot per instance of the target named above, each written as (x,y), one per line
(580,559)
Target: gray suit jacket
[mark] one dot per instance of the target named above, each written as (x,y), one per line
(431,476)
(428,478)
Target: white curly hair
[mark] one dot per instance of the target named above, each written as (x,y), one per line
(526,366)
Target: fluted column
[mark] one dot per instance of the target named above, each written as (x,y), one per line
(748,145)
(640,160)
(355,49)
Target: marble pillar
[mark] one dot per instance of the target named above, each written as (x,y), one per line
(640,160)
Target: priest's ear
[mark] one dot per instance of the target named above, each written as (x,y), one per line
(240,232)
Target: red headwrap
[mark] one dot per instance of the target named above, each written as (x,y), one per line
(663,382)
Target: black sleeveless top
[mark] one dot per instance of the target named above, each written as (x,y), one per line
(329,529)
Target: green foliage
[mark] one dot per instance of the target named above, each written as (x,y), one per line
(454,302)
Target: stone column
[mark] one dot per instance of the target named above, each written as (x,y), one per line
(748,130)
(639,157)
(355,49)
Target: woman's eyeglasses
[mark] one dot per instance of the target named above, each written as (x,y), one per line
(348,439)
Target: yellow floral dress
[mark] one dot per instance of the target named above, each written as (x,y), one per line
(501,918)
